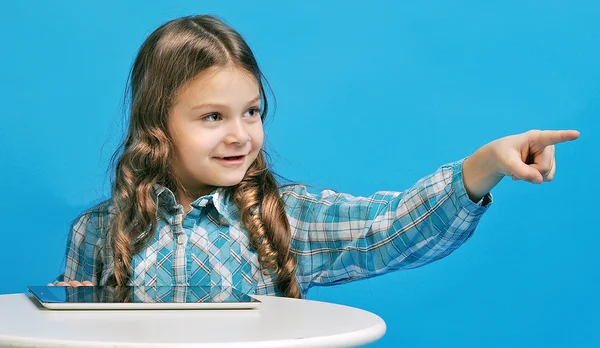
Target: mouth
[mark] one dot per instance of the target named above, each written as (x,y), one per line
(231,160)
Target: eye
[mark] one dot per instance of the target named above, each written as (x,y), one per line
(254,112)
(212,117)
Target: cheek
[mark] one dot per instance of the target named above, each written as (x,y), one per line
(257,142)
(192,148)
(257,137)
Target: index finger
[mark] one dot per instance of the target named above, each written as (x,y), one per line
(551,137)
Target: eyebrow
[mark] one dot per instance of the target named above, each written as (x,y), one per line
(213,105)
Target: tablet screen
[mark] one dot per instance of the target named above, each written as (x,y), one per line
(139,294)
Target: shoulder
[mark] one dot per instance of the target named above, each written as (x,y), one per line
(94,220)
(292,193)
(299,195)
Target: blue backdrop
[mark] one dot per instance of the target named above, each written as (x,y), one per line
(405,87)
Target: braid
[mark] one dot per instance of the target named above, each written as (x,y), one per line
(263,215)
(135,207)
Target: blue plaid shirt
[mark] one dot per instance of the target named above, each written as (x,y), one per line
(336,237)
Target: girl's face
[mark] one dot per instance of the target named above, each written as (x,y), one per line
(216,127)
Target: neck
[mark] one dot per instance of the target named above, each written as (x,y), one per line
(186,199)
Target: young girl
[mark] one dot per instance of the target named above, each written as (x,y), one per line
(194,202)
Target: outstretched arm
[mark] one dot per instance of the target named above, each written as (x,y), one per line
(337,237)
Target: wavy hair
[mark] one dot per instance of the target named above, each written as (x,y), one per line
(172,55)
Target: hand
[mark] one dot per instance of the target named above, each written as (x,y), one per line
(529,156)
(73,283)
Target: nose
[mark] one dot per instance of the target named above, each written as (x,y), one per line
(237,133)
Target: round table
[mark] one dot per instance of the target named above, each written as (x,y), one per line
(278,322)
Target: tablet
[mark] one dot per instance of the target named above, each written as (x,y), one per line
(143,297)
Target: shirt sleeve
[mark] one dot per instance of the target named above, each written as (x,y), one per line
(82,256)
(337,237)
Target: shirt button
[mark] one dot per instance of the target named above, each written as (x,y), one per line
(180,239)
(223,221)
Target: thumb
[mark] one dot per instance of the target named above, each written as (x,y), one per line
(525,172)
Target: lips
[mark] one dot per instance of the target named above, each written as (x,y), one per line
(231,161)
(236,157)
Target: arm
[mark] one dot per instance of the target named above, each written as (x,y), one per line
(82,256)
(337,237)
(479,176)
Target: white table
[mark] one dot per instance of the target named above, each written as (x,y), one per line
(280,322)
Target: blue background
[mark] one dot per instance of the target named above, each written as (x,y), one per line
(370,96)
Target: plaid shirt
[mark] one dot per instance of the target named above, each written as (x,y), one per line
(336,237)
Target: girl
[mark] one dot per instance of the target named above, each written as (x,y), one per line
(194,201)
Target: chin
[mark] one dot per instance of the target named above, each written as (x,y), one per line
(231,182)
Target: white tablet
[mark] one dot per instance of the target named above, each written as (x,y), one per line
(142,297)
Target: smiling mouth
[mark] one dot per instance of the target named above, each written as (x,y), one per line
(232,158)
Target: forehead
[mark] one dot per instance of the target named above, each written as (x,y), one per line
(219,84)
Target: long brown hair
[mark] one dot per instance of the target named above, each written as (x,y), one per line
(171,56)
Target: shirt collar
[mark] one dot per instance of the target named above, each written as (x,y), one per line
(167,203)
